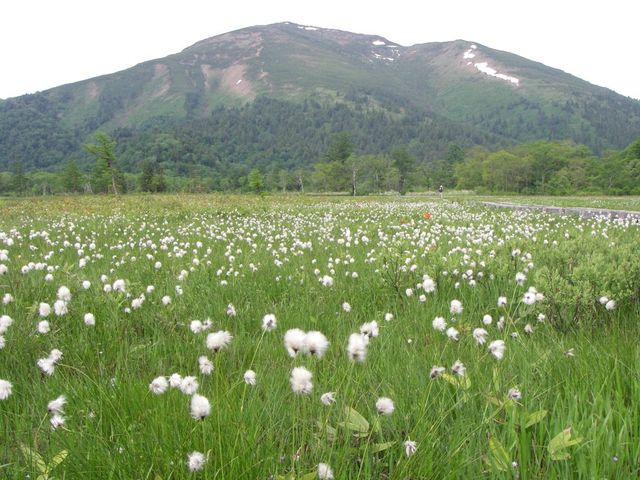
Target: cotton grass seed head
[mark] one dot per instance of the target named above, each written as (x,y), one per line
(196,461)
(385,406)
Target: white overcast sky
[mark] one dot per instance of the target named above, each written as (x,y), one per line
(46,43)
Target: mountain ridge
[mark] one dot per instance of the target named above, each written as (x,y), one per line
(459,83)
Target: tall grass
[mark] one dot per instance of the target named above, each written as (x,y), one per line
(585,378)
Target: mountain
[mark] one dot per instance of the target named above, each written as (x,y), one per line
(279,92)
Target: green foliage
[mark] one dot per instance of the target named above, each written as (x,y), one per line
(463,426)
(255,181)
(405,164)
(340,149)
(574,284)
(72,181)
(104,152)
(18,178)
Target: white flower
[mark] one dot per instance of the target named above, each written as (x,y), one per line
(357,347)
(44,309)
(520,278)
(428,285)
(189,385)
(542,317)
(346,307)
(60,308)
(514,394)
(231,310)
(439,324)
(159,385)
(409,292)
(610,305)
(57,405)
(196,461)
(388,317)
(487,320)
(370,329)
(64,294)
(529,298)
(2,342)
(86,284)
(136,303)
(166,300)
(479,334)
(324,472)
(250,377)
(56,421)
(458,368)
(268,322)
(5,389)
(326,281)
(452,333)
(43,327)
(196,326)
(385,406)
(3,269)
(500,323)
(89,319)
(456,307)
(218,340)
(528,328)
(205,365)
(294,341)
(55,355)
(328,398)
(7,298)
(604,300)
(410,447)
(301,380)
(200,407)
(315,343)
(106,288)
(175,380)
(436,372)
(497,348)
(46,365)
(119,285)
(502,301)
(150,289)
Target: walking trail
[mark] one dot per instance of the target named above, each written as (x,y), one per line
(584,212)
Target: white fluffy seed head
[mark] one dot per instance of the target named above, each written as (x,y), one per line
(294,341)
(385,406)
(315,343)
(301,381)
(200,407)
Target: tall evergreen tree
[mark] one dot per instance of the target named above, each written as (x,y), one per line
(71,177)
(104,150)
(18,178)
(405,163)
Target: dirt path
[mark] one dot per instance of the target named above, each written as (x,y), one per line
(580,211)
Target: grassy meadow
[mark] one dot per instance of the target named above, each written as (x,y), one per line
(436,339)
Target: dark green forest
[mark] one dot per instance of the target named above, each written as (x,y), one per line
(192,160)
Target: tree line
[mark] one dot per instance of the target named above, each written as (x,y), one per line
(539,167)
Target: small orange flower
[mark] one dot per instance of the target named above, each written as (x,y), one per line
(427,216)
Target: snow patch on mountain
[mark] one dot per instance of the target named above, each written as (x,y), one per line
(484,67)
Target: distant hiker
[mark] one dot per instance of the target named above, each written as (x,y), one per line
(440,190)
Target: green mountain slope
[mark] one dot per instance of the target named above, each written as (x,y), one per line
(465,92)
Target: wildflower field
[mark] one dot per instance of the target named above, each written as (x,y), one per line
(239,337)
